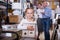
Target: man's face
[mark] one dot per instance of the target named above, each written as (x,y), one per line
(45,4)
(29,13)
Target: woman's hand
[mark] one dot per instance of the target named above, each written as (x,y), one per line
(30,28)
(42,13)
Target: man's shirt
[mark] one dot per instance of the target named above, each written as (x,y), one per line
(47,13)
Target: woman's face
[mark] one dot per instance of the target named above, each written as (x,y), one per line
(40,6)
(29,13)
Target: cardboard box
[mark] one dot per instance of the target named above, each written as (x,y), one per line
(25,33)
(14,19)
(29,33)
(53,7)
(32,34)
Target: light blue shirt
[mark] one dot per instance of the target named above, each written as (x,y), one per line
(48,13)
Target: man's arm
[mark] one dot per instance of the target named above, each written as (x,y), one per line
(48,13)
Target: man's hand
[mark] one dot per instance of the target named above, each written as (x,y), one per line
(30,28)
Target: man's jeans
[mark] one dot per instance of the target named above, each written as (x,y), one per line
(46,27)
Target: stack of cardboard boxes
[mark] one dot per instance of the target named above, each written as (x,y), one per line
(13,19)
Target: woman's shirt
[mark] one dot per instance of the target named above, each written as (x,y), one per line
(24,23)
(23,26)
(39,12)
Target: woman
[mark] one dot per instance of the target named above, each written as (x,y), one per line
(29,23)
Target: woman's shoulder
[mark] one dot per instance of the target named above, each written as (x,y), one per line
(24,20)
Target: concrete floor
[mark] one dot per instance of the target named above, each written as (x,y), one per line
(42,35)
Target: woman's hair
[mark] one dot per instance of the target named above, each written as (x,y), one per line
(27,9)
(40,3)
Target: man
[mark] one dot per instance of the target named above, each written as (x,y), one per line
(46,15)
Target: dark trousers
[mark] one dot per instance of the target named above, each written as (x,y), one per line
(40,26)
(44,25)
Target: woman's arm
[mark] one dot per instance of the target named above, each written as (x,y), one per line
(21,26)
